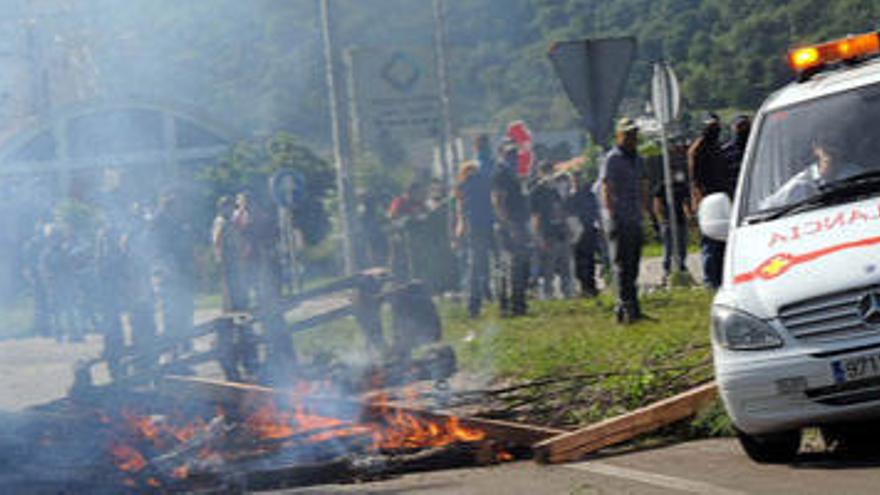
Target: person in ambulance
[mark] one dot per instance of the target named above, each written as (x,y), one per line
(829,166)
(796,322)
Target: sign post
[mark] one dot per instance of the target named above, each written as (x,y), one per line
(343,164)
(666,100)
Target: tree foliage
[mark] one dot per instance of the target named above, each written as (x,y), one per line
(250,165)
(260,65)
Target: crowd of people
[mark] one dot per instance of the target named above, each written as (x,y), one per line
(553,233)
(134,277)
(556,232)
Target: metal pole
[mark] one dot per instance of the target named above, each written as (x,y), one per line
(670,206)
(343,166)
(447,141)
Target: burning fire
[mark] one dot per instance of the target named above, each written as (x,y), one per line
(127,458)
(406,431)
(272,427)
(269,423)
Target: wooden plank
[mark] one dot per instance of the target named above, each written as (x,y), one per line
(574,445)
(236,394)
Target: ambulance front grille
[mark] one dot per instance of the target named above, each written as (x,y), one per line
(829,317)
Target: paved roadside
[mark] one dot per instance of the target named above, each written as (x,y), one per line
(651,271)
(717,467)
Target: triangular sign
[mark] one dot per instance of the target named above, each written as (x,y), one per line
(593,73)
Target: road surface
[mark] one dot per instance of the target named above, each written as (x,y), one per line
(716,467)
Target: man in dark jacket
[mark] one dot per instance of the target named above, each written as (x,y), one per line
(585,207)
(551,233)
(734,150)
(709,174)
(511,208)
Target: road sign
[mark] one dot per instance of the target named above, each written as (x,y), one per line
(395,93)
(665,95)
(593,73)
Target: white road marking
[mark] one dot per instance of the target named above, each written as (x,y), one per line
(661,480)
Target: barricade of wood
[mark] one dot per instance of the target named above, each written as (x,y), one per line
(230,394)
(572,446)
(366,291)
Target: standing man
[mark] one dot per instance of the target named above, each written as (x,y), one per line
(176,243)
(512,234)
(551,232)
(474,220)
(734,150)
(621,178)
(110,266)
(709,173)
(137,249)
(583,205)
(236,343)
(403,209)
(681,212)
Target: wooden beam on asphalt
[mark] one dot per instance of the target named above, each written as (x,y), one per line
(576,444)
(237,394)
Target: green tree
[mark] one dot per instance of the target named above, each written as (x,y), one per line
(251,164)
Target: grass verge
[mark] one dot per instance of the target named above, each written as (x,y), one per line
(568,363)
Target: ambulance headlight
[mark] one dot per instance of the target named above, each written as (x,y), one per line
(739,331)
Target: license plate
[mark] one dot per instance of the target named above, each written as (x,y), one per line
(857,368)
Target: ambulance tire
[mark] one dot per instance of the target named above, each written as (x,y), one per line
(775,448)
(853,438)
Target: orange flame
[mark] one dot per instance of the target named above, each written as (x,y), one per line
(127,458)
(405,430)
(143,425)
(270,423)
(181,472)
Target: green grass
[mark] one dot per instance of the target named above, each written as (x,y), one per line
(579,336)
(558,337)
(567,341)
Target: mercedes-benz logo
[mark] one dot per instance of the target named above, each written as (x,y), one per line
(869,308)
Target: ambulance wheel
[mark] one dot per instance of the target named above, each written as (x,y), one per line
(775,448)
(852,438)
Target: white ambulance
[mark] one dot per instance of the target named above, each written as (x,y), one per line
(796,323)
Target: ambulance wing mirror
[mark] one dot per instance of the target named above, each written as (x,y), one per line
(714,216)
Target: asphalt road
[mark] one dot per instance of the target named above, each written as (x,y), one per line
(704,467)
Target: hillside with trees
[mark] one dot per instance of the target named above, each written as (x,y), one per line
(262,68)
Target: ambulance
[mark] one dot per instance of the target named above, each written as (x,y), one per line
(796,322)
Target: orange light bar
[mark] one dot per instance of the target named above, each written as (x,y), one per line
(849,48)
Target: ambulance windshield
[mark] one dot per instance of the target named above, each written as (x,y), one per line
(802,148)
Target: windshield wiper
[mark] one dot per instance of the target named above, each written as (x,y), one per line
(865,178)
(829,193)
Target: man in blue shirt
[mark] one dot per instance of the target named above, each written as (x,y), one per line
(475,223)
(621,179)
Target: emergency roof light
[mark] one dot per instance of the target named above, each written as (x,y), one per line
(809,59)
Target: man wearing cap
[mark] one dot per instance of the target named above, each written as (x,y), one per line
(709,174)
(621,179)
